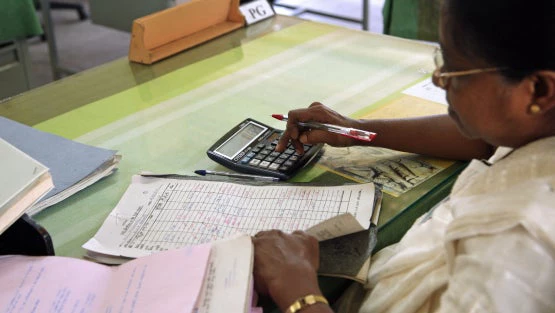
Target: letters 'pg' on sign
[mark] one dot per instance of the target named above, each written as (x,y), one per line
(256,11)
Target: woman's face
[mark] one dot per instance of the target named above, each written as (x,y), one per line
(484,105)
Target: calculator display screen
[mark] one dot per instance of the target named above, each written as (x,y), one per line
(240,140)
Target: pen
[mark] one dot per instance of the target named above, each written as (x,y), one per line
(358,134)
(236,175)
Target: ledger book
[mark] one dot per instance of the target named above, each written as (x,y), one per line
(157,214)
(23,181)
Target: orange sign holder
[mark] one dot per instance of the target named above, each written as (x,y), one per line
(165,33)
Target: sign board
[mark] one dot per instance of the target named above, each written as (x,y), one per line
(256,11)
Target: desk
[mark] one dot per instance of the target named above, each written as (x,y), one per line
(163,117)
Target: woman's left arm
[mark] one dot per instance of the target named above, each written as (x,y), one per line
(285,268)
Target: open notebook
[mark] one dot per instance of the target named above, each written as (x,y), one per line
(210,278)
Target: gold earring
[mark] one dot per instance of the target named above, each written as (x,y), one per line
(534,109)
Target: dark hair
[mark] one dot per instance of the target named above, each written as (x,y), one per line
(515,34)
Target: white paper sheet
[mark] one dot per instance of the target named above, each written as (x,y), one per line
(428,91)
(158,214)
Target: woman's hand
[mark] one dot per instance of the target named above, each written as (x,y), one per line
(316,112)
(285,265)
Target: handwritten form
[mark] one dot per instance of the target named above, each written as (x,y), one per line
(158,214)
(169,281)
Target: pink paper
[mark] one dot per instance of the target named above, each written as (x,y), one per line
(168,281)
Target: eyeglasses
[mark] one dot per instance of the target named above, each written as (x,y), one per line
(442,78)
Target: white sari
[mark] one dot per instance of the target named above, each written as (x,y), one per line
(489,248)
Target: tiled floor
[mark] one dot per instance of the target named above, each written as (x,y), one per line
(83,45)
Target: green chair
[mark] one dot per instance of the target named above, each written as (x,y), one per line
(18,21)
(414,19)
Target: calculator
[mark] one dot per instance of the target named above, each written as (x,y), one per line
(249,148)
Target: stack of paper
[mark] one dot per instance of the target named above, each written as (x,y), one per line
(23,181)
(73,165)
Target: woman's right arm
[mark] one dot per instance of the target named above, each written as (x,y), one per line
(435,135)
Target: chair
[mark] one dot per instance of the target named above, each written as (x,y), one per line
(413,19)
(26,237)
(18,22)
(57,5)
(70,6)
(49,34)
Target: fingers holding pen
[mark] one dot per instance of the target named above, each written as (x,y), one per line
(316,112)
(295,134)
(291,133)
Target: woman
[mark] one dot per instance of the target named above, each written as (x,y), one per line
(491,246)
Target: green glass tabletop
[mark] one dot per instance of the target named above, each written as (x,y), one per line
(162,118)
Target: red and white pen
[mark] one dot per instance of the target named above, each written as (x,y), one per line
(345,131)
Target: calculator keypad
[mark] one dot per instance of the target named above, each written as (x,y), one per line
(264,156)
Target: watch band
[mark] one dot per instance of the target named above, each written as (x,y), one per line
(305,301)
